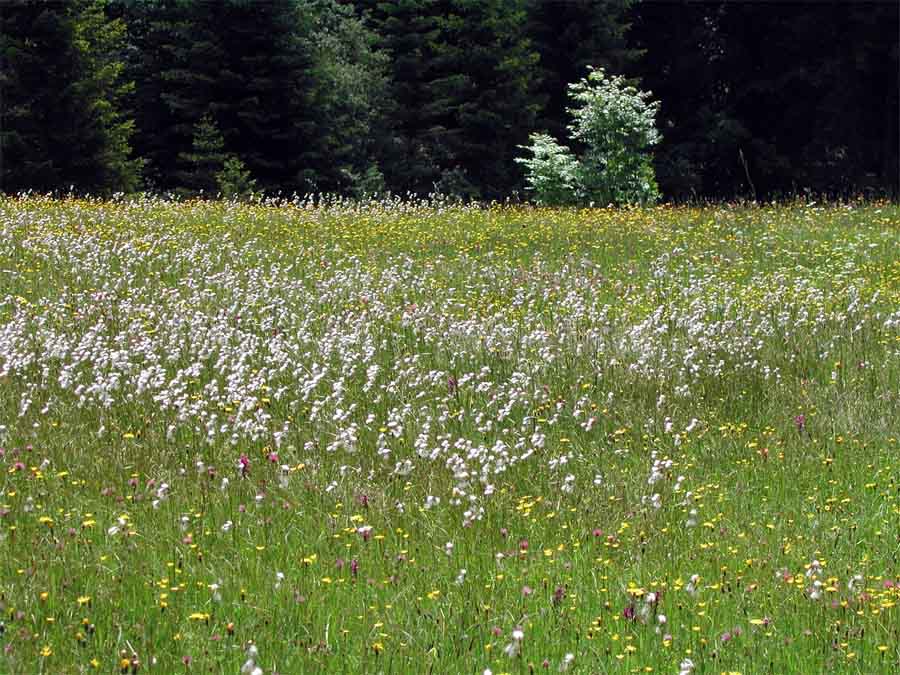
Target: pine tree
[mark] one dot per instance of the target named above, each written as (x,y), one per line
(569,36)
(245,63)
(205,161)
(464,92)
(350,98)
(63,86)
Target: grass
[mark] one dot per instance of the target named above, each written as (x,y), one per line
(424,438)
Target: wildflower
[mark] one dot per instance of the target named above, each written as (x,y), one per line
(566,662)
(814,568)
(558,595)
(243,466)
(691,588)
(514,647)
(686,667)
(250,667)
(448,548)
(815,591)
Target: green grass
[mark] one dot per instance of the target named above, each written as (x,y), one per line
(603,417)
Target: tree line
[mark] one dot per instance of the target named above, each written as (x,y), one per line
(758,100)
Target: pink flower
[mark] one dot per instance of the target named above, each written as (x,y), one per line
(243,465)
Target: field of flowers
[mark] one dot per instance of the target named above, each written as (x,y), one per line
(422,438)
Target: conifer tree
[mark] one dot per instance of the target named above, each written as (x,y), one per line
(63,88)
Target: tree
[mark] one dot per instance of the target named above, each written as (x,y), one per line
(63,85)
(464,91)
(245,63)
(234,181)
(569,36)
(202,165)
(615,124)
(806,93)
(350,97)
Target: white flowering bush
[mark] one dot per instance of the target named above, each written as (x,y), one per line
(615,123)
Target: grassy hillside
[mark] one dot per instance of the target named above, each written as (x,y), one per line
(426,438)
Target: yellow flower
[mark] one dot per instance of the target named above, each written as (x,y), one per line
(46,651)
(377,647)
(84,600)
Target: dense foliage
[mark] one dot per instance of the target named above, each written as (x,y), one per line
(422,96)
(615,125)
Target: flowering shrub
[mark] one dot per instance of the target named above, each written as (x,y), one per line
(615,124)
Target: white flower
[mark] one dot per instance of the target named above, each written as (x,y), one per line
(566,662)
(692,584)
(511,649)
(815,567)
(815,591)
(448,548)
(227,525)
(686,667)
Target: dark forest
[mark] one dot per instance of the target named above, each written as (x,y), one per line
(759,100)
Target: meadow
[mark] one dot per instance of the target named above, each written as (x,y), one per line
(422,438)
